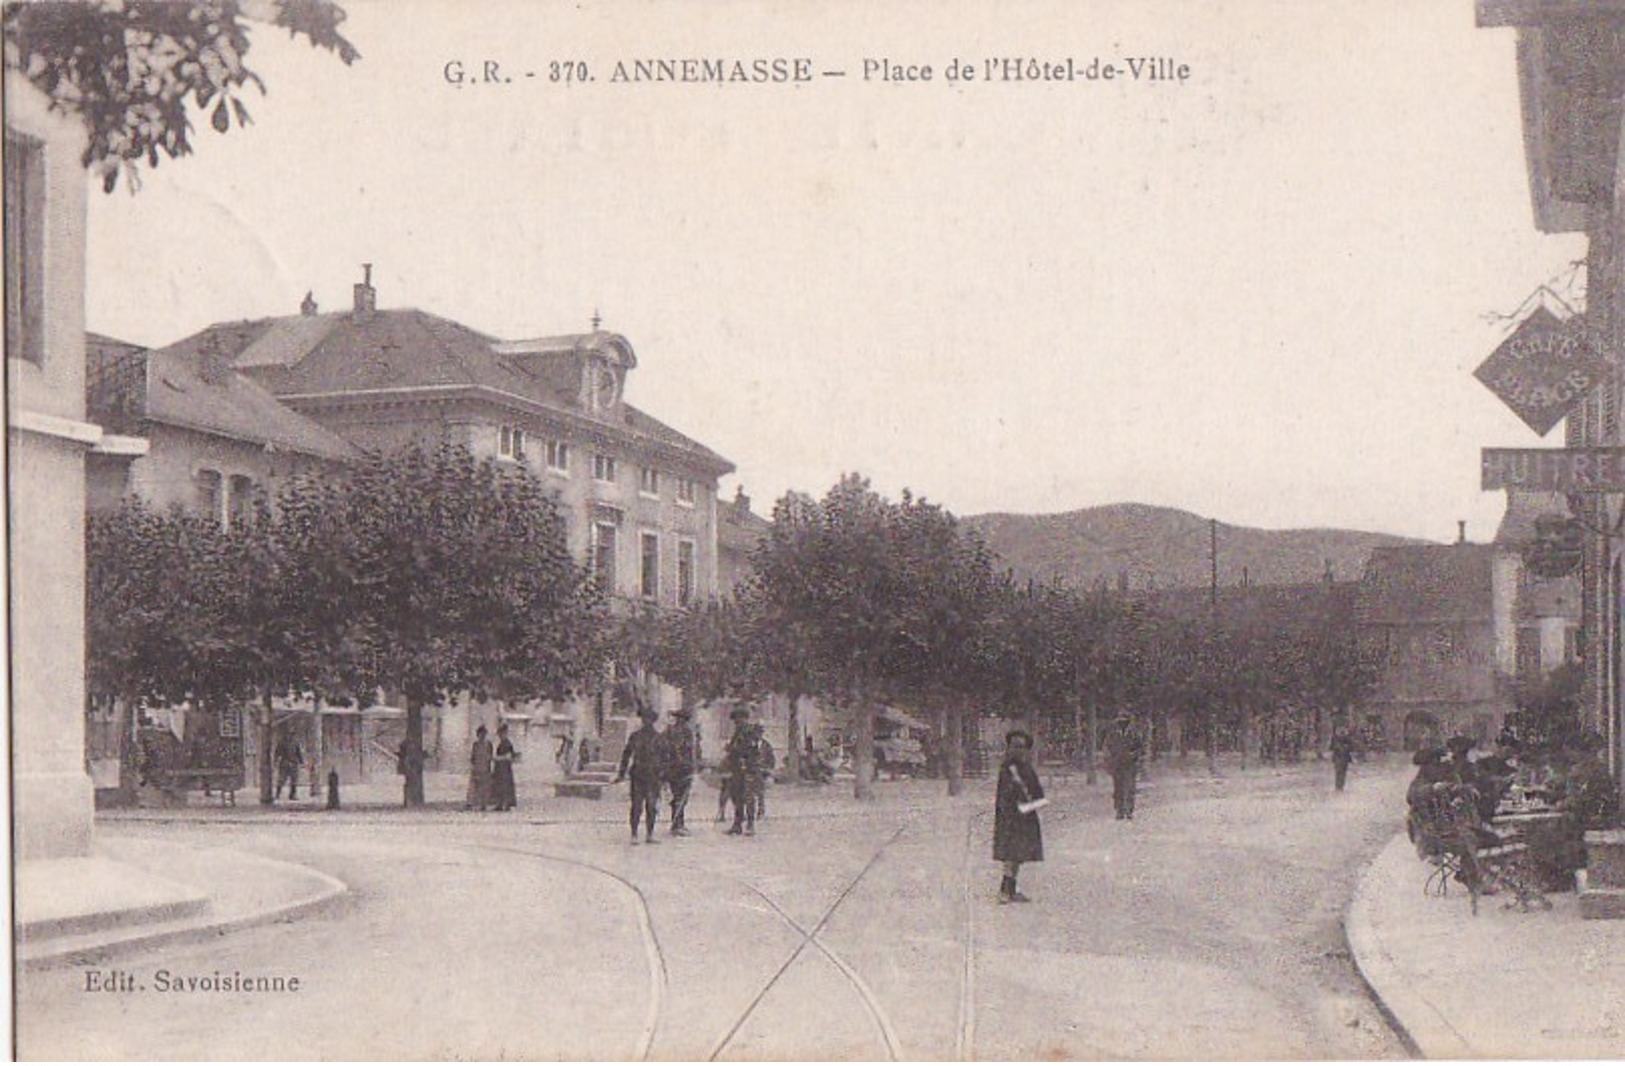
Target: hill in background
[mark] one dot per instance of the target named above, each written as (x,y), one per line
(1161,547)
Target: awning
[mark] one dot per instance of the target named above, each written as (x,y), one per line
(368,712)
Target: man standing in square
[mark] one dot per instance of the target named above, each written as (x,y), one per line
(640,761)
(1124,750)
(682,761)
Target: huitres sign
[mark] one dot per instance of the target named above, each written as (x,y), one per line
(1554,469)
(1544,368)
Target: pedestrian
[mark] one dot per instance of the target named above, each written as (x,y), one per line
(480,761)
(682,760)
(289,758)
(1342,755)
(766,763)
(641,761)
(1017,836)
(741,763)
(1124,750)
(502,760)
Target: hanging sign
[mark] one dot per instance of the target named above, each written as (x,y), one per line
(1544,368)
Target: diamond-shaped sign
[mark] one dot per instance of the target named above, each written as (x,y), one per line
(1544,368)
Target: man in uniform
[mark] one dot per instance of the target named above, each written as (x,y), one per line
(289,758)
(1342,755)
(682,761)
(742,763)
(1124,750)
(640,760)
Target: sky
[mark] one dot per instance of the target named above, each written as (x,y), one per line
(1257,293)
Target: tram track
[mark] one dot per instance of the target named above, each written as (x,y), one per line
(872,1005)
(654,954)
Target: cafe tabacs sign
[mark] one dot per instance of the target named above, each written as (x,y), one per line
(1544,368)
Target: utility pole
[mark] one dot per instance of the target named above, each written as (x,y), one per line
(1213,639)
(1213,558)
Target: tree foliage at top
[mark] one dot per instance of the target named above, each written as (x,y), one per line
(169,608)
(458,578)
(132,69)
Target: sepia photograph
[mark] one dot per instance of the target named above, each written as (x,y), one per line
(809,530)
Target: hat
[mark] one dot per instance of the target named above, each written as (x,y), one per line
(682,712)
(480,731)
(1424,756)
(1461,743)
(739,714)
(647,712)
(1010,737)
(502,727)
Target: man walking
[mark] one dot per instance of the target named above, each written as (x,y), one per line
(1342,755)
(289,758)
(1124,750)
(682,762)
(640,761)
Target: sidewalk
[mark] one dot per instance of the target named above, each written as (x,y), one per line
(1506,984)
(141,891)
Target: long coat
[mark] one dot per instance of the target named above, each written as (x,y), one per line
(1016,836)
(502,788)
(479,773)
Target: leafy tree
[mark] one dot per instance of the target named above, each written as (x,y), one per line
(131,69)
(456,579)
(866,599)
(167,611)
(829,566)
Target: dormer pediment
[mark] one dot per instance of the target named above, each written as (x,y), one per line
(590,366)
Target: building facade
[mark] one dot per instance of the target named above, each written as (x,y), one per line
(218,444)
(638,497)
(48,441)
(1438,618)
(1571,78)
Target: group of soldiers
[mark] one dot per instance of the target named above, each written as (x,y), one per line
(653,761)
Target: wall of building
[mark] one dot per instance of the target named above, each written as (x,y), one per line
(168,474)
(47,444)
(479,426)
(1444,670)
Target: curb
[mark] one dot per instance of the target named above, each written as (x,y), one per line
(1414,1020)
(91,948)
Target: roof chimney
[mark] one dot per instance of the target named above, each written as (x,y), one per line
(1461,531)
(366,297)
(741,502)
(307,306)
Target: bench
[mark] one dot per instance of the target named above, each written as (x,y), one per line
(223,780)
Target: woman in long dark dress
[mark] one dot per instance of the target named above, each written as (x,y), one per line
(1017,837)
(502,771)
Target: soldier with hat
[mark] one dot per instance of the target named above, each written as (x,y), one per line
(725,792)
(740,763)
(1124,750)
(641,761)
(682,760)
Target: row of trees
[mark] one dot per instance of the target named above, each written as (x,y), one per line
(425,574)
(861,601)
